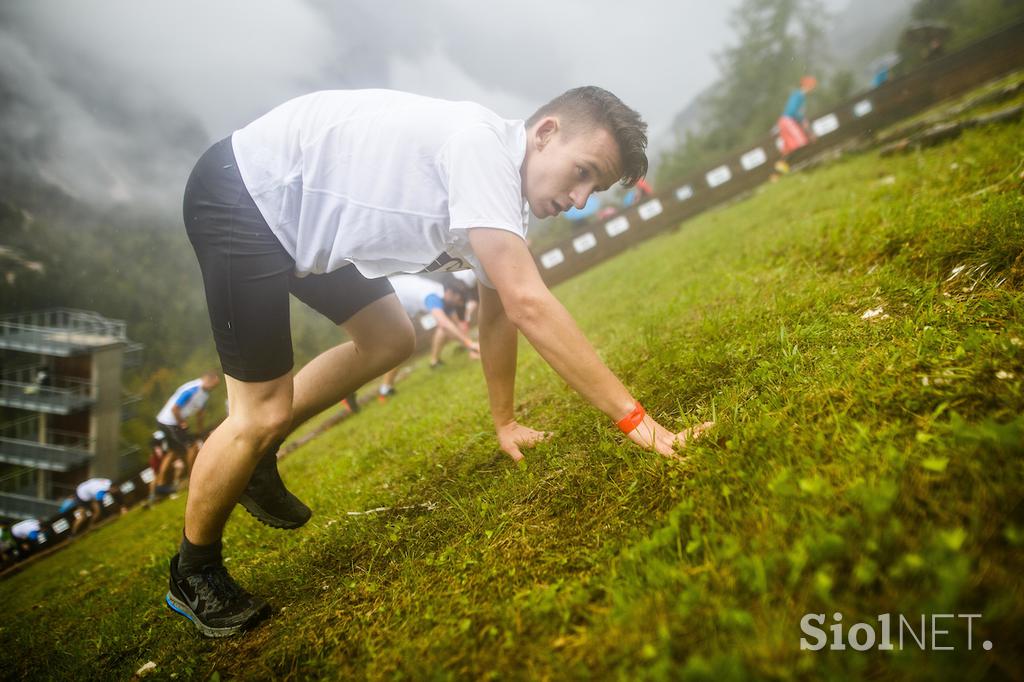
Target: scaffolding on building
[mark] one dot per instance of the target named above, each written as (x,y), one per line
(62,404)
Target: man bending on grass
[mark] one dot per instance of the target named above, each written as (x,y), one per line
(422,296)
(325,196)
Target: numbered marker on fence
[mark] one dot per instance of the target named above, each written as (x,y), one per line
(616,226)
(61,525)
(147,475)
(427,322)
(585,242)
(127,487)
(108,500)
(650,209)
(552,258)
(718,176)
(825,125)
(753,159)
(862,108)
(684,192)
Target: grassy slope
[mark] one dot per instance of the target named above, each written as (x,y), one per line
(864,466)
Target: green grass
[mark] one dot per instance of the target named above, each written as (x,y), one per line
(866,466)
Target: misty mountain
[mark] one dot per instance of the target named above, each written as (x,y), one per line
(70,123)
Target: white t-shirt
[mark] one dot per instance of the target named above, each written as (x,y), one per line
(87,491)
(386,180)
(468,278)
(22,529)
(413,293)
(190,398)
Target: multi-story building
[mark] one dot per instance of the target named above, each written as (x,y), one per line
(61,406)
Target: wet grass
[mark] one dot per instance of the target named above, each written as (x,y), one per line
(860,465)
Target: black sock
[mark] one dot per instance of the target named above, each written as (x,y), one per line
(267,462)
(193,558)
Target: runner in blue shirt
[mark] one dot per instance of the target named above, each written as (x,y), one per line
(794,128)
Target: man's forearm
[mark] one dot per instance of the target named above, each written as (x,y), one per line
(533,309)
(498,342)
(551,330)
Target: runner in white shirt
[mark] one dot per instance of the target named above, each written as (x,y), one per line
(92,490)
(420,297)
(188,401)
(90,494)
(322,198)
(464,317)
(29,529)
(468,277)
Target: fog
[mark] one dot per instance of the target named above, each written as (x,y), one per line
(112,100)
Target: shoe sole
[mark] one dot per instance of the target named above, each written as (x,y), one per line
(180,607)
(268,519)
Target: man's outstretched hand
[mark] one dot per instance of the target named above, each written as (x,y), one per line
(514,435)
(651,435)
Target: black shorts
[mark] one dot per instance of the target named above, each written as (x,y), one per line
(178,439)
(248,274)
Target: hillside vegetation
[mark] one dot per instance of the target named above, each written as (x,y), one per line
(858,335)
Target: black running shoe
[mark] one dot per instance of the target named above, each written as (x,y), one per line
(213,601)
(269,501)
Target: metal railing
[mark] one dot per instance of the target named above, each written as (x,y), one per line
(27,429)
(132,357)
(23,444)
(33,388)
(70,320)
(59,328)
(19,479)
(17,506)
(46,456)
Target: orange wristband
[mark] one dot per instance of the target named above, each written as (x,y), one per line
(633,419)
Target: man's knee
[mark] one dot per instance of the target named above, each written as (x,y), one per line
(398,346)
(265,427)
(274,423)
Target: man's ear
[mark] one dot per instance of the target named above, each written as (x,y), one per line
(545,131)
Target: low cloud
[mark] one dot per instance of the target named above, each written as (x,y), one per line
(113,100)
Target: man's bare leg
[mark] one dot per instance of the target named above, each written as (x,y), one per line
(79,520)
(191,452)
(382,338)
(387,381)
(441,337)
(165,467)
(259,414)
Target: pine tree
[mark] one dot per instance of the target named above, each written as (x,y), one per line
(777,41)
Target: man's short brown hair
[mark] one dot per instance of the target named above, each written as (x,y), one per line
(594,106)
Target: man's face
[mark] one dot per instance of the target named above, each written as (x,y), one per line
(562,168)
